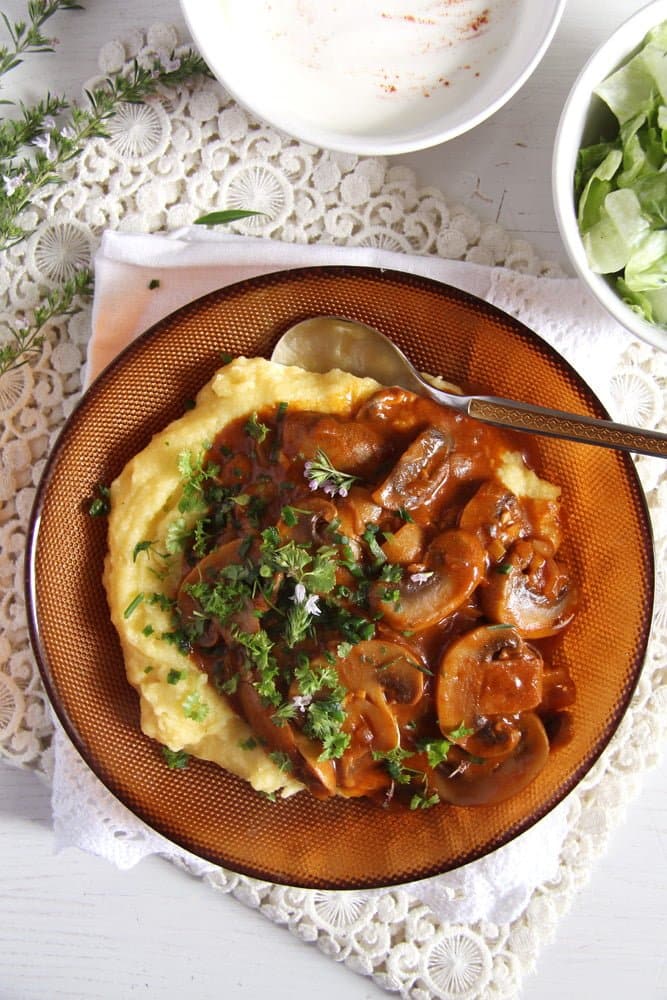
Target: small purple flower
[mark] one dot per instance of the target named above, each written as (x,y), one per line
(43,142)
(302,701)
(308,601)
(169,64)
(11,184)
(311,605)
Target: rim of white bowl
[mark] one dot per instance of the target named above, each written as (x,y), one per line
(368,145)
(614,51)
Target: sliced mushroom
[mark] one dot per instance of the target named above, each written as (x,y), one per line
(385,682)
(406,545)
(497,516)
(207,571)
(372,728)
(531,591)
(313,515)
(304,754)
(350,445)
(453,567)
(488,671)
(467,783)
(384,671)
(355,511)
(419,473)
(494,741)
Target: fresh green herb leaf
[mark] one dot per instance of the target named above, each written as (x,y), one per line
(421,801)
(281,760)
(322,475)
(194,473)
(225,216)
(140,547)
(133,605)
(177,535)
(194,708)
(177,760)
(100,504)
(370,537)
(393,760)
(254,428)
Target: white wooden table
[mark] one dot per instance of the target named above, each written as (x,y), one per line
(73,927)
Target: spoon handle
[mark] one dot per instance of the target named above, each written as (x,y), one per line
(556,423)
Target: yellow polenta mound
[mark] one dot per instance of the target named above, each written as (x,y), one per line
(188,713)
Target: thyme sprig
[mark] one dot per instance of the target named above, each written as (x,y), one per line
(43,137)
(23,343)
(321,474)
(34,147)
(27,36)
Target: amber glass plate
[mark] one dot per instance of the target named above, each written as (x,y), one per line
(300,841)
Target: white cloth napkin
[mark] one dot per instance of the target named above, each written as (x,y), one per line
(141,278)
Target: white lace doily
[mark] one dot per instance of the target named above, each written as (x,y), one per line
(167,162)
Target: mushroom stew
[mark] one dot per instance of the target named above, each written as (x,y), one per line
(373,599)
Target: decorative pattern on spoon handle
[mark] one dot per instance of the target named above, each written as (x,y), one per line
(555,423)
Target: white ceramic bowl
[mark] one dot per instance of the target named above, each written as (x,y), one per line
(373,78)
(583,120)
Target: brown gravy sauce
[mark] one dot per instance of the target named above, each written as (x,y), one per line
(378,605)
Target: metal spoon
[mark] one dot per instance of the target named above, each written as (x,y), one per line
(325,342)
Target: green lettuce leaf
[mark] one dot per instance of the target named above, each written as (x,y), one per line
(621,182)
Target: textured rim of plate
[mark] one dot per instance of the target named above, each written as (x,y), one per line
(114,370)
(572,123)
(369,145)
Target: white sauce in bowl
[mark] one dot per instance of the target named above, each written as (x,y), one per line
(410,72)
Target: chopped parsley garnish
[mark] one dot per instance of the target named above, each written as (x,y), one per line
(194,708)
(370,537)
(194,474)
(133,605)
(100,503)
(281,760)
(254,428)
(177,760)
(423,801)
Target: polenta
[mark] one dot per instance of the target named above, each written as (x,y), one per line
(299,571)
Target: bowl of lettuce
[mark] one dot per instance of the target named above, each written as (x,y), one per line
(610,174)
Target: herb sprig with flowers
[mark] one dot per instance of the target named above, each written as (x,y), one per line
(44,137)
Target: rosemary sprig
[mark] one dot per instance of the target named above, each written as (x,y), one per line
(21,344)
(22,178)
(20,132)
(26,36)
